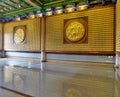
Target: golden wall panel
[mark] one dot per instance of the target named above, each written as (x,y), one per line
(0,36)
(32,36)
(118,26)
(100,30)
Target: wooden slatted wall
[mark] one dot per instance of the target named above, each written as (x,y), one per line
(32,36)
(100,30)
(118,26)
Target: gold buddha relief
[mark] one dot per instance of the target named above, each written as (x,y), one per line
(19,34)
(75,30)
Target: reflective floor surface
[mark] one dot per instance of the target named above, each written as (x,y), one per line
(60,79)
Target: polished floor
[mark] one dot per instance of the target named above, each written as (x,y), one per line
(58,79)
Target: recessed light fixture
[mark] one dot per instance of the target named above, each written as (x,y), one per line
(69,8)
(17,18)
(48,12)
(81,6)
(31,15)
(58,10)
(39,14)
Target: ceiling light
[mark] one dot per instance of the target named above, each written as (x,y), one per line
(17,18)
(59,10)
(31,15)
(69,8)
(81,6)
(39,14)
(48,11)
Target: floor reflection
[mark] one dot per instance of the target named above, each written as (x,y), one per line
(62,81)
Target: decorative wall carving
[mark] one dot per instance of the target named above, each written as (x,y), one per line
(19,34)
(99,38)
(32,40)
(75,30)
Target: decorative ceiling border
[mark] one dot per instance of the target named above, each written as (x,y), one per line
(38,8)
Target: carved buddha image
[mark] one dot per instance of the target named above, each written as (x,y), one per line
(19,34)
(75,30)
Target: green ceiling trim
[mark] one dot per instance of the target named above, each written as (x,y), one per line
(13,6)
(3,7)
(1,15)
(9,9)
(22,10)
(15,2)
(11,15)
(37,2)
(53,2)
(31,3)
(61,3)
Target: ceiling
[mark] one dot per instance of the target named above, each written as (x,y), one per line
(10,9)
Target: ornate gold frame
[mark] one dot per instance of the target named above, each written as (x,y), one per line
(75,31)
(19,34)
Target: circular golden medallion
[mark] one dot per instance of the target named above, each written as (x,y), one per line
(19,35)
(75,31)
